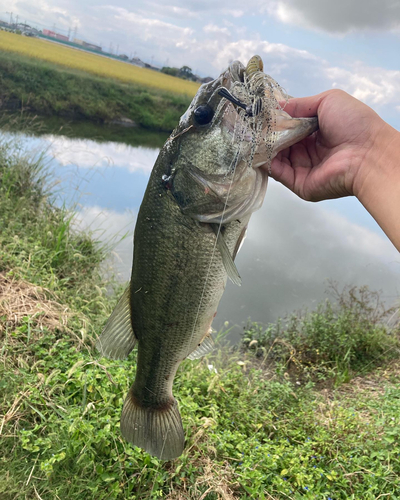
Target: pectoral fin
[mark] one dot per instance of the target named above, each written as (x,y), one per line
(239,242)
(206,346)
(230,266)
(117,339)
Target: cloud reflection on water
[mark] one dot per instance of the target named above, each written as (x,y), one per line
(294,249)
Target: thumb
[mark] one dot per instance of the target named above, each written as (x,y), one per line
(304,107)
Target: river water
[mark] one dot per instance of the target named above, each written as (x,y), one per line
(293,248)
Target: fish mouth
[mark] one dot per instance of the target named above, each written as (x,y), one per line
(279,129)
(290,130)
(286,131)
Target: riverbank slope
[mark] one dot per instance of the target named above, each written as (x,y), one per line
(43,87)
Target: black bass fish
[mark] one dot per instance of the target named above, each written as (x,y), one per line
(202,191)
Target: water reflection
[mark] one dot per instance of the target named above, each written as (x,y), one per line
(56,126)
(292,250)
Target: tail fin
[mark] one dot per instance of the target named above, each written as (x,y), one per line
(159,431)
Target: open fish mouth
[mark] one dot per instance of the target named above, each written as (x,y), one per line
(257,98)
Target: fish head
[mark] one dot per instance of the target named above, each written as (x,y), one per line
(234,124)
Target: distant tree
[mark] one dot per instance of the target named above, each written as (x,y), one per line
(186,73)
(170,71)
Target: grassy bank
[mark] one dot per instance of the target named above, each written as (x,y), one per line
(70,58)
(265,421)
(45,88)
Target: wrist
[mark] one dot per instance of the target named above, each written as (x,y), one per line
(379,159)
(378,183)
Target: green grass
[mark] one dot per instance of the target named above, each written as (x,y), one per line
(344,337)
(257,427)
(47,89)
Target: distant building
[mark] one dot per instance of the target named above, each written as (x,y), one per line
(137,62)
(23,27)
(57,36)
(149,66)
(49,33)
(207,79)
(92,46)
(123,57)
(61,37)
(78,41)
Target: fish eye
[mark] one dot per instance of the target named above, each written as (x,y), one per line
(203,114)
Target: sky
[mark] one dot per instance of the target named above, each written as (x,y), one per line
(308,46)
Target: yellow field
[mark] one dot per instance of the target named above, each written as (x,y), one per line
(92,63)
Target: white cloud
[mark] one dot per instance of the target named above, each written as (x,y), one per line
(341,16)
(91,154)
(170,11)
(371,85)
(147,28)
(46,12)
(235,12)
(275,55)
(115,229)
(293,248)
(216,30)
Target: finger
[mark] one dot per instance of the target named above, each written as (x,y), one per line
(305,106)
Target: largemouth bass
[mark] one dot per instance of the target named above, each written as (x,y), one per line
(202,191)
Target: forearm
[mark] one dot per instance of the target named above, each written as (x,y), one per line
(378,187)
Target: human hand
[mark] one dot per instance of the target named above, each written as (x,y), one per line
(332,162)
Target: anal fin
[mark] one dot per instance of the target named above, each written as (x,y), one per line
(206,346)
(230,266)
(117,338)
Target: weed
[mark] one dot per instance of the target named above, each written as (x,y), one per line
(343,337)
